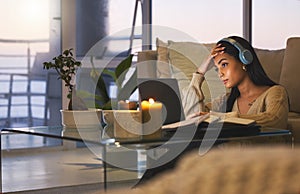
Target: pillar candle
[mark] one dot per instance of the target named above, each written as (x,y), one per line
(151,116)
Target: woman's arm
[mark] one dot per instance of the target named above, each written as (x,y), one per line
(275,110)
(193,97)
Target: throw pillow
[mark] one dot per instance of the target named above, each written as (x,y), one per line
(182,59)
(186,56)
(162,66)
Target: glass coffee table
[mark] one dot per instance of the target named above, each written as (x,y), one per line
(157,151)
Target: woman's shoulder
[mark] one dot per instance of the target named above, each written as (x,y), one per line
(277,90)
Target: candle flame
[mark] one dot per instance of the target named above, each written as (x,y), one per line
(151,101)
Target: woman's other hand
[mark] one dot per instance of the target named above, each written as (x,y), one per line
(197,114)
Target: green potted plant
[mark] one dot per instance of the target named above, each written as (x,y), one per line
(82,102)
(101,98)
(77,114)
(124,91)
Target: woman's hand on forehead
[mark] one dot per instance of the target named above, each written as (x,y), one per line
(218,49)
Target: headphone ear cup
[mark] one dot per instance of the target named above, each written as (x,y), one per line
(246,57)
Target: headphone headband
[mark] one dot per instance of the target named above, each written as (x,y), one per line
(245,55)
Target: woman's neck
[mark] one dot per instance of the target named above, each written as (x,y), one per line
(251,91)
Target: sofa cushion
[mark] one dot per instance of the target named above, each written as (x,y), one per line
(183,59)
(271,61)
(183,56)
(290,73)
(187,56)
(163,68)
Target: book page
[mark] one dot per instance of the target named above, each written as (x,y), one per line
(193,121)
(231,120)
(209,118)
(240,121)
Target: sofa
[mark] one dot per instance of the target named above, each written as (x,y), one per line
(178,59)
(234,171)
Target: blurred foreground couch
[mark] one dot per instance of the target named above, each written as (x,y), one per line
(273,170)
(178,59)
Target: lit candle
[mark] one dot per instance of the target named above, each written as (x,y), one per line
(151,118)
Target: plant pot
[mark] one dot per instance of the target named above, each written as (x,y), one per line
(81,119)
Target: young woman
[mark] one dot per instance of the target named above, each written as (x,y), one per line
(253,94)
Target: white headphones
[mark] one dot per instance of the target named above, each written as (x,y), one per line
(244,54)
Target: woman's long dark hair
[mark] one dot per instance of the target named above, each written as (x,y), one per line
(254,69)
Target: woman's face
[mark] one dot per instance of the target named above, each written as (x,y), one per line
(229,70)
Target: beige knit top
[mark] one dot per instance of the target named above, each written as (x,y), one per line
(270,109)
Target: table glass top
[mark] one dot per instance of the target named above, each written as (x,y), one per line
(98,136)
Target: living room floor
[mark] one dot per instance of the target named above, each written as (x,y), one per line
(59,169)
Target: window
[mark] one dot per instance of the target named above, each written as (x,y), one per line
(30,34)
(203,20)
(120,23)
(274,21)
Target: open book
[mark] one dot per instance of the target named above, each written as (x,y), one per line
(229,120)
(210,118)
(188,122)
(224,126)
